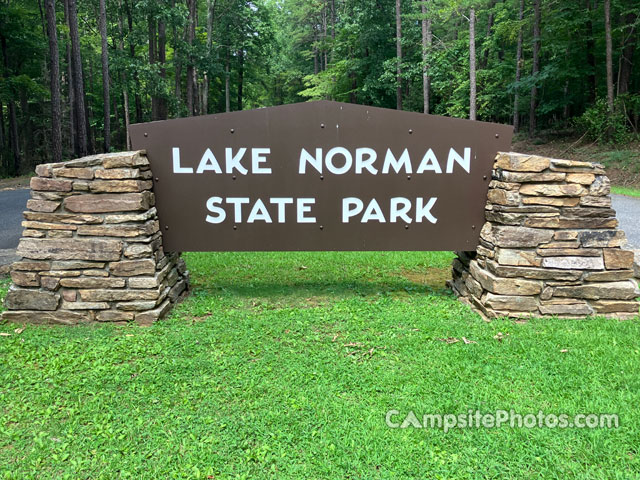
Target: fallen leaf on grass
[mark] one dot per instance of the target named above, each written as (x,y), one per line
(303,267)
(456,340)
(18,331)
(500,336)
(5,334)
(564,350)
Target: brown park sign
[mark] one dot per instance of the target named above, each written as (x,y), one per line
(321,176)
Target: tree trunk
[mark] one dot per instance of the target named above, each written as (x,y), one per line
(177,65)
(132,54)
(191,35)
(115,124)
(628,50)
(13,168)
(333,28)
(207,79)
(91,133)
(162,60)
(315,53)
(516,107)
(485,54)
(227,92)
(2,132)
(42,18)
(398,55)
(78,81)
(591,58)
(106,98)
(73,138)
(240,77)
(609,53)
(200,97)
(152,60)
(26,128)
(353,93)
(426,47)
(125,91)
(325,27)
(536,67)
(14,141)
(54,59)
(472,64)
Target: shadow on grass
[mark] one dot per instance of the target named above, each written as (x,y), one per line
(430,282)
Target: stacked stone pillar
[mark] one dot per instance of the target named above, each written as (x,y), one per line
(91,247)
(550,245)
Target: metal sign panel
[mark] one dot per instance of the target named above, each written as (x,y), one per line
(320,176)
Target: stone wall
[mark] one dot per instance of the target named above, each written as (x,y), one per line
(550,245)
(91,247)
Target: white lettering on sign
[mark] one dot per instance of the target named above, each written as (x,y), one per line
(362,163)
(464,162)
(208,162)
(259,212)
(258,158)
(429,163)
(338,161)
(399,208)
(348,160)
(176,163)
(305,157)
(397,163)
(281,203)
(233,161)
(365,159)
(304,206)
(212,206)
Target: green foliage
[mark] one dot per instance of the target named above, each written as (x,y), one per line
(283,365)
(601,125)
(285,51)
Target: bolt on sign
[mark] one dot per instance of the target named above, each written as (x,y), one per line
(321,176)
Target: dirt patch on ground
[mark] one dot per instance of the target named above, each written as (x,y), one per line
(435,278)
(622,162)
(18,183)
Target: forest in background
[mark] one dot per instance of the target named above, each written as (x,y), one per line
(75,73)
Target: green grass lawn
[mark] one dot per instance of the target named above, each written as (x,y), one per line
(630,192)
(284,366)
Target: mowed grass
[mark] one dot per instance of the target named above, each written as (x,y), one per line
(629,192)
(284,365)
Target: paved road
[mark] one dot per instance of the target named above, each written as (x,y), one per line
(628,213)
(13,203)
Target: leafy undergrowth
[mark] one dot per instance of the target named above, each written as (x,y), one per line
(285,365)
(622,162)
